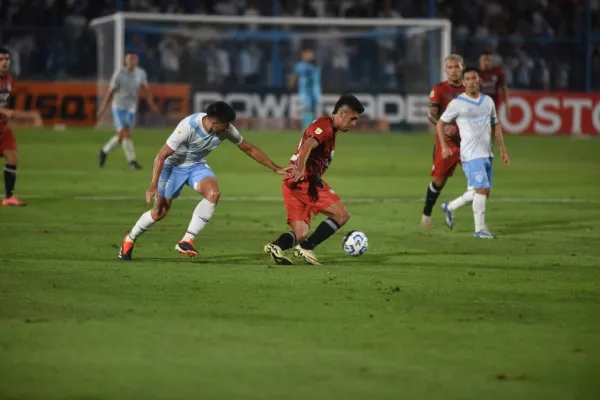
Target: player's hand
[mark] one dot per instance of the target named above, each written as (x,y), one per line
(447,152)
(284,171)
(450,130)
(99,115)
(505,157)
(297,174)
(154,108)
(150,193)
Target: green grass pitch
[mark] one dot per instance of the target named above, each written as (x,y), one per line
(422,315)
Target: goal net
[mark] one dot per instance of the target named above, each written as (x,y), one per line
(192,60)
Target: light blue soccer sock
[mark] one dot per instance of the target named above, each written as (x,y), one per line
(307,118)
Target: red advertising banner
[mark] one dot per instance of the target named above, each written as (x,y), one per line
(75,103)
(552,113)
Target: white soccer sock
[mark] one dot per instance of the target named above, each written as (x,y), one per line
(128,149)
(202,214)
(463,200)
(479,211)
(141,226)
(112,144)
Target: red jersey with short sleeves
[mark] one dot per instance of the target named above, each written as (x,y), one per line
(492,81)
(6,84)
(441,95)
(320,158)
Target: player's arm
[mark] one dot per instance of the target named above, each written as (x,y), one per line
(291,83)
(308,146)
(145,88)
(107,100)
(259,156)
(447,117)
(159,163)
(504,93)
(433,112)
(34,116)
(497,129)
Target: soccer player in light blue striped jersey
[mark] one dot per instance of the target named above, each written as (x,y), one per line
(476,117)
(182,161)
(123,93)
(308,76)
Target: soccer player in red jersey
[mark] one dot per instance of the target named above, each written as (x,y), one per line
(493,82)
(443,168)
(305,192)
(8,144)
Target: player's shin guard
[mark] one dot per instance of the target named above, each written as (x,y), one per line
(433,193)
(112,144)
(465,199)
(202,215)
(10,179)
(479,211)
(128,149)
(307,118)
(141,226)
(322,233)
(285,241)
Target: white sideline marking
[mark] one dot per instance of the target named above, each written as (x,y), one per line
(364,200)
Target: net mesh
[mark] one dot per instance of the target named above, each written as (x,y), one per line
(249,59)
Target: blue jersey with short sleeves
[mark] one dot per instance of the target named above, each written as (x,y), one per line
(309,80)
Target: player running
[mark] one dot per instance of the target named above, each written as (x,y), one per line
(125,85)
(8,144)
(181,161)
(475,114)
(493,82)
(305,192)
(308,75)
(443,168)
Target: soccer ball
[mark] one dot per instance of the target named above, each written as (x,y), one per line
(355,243)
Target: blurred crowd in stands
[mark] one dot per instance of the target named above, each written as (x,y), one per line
(539,42)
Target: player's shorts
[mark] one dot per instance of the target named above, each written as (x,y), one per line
(479,173)
(123,119)
(173,178)
(298,203)
(444,167)
(7,140)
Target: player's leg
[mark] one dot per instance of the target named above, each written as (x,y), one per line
(440,172)
(308,108)
(298,218)
(450,207)
(114,141)
(331,205)
(8,149)
(169,188)
(203,180)
(127,142)
(479,176)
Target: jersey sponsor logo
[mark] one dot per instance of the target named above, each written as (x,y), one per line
(432,93)
(318,131)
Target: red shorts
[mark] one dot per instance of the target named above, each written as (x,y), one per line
(298,203)
(7,140)
(444,167)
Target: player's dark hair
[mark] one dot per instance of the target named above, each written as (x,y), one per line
(350,101)
(471,69)
(128,52)
(4,50)
(486,53)
(221,111)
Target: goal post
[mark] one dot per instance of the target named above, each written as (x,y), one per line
(391,62)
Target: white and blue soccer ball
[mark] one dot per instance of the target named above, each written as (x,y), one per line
(355,243)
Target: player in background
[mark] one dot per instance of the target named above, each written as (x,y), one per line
(475,114)
(123,93)
(305,192)
(443,168)
(493,82)
(308,77)
(8,144)
(181,161)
